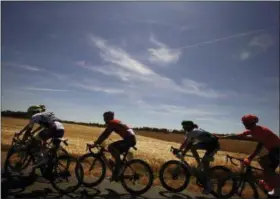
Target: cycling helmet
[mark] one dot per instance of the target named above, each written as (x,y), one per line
(43,107)
(34,109)
(250,119)
(109,114)
(189,123)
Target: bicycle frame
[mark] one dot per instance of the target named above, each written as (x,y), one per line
(246,173)
(102,152)
(191,169)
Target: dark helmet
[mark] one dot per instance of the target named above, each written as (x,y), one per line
(189,123)
(109,114)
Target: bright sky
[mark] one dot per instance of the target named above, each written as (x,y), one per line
(153,63)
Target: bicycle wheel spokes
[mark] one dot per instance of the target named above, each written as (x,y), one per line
(174,176)
(222,181)
(66,172)
(94,170)
(247,190)
(137,177)
(19,162)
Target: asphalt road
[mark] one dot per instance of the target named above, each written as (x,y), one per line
(41,188)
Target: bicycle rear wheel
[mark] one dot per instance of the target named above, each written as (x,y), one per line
(246,189)
(174,176)
(223,182)
(139,171)
(66,168)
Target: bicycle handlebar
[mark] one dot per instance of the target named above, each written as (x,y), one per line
(228,157)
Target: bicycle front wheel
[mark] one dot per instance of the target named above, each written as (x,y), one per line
(66,173)
(94,170)
(137,177)
(19,162)
(174,176)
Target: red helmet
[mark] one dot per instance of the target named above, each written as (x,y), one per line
(250,119)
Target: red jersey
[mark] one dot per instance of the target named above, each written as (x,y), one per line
(264,136)
(119,128)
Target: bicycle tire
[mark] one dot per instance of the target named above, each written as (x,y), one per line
(150,179)
(217,193)
(186,173)
(78,173)
(7,164)
(103,170)
(252,186)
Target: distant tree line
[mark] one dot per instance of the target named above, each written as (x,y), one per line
(23,115)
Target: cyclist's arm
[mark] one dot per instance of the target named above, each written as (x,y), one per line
(38,129)
(186,145)
(104,135)
(243,134)
(256,152)
(27,129)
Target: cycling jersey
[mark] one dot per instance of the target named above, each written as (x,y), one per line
(116,125)
(199,135)
(122,129)
(47,120)
(264,136)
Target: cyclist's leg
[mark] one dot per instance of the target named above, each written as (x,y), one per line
(57,134)
(114,149)
(269,163)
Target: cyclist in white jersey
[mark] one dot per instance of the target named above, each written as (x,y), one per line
(49,127)
(197,138)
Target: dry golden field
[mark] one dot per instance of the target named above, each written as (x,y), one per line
(152,147)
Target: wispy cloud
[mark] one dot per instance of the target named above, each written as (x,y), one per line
(258,44)
(234,36)
(119,57)
(23,66)
(263,41)
(201,112)
(162,54)
(142,79)
(100,88)
(45,89)
(245,54)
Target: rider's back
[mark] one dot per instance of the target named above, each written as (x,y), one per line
(47,119)
(119,127)
(265,136)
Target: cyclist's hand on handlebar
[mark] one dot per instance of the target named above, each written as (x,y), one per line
(17,134)
(175,151)
(246,161)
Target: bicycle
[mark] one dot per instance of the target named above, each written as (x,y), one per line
(91,159)
(246,176)
(181,167)
(54,167)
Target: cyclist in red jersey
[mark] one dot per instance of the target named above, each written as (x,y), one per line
(267,139)
(118,147)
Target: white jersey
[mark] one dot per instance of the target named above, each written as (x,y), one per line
(198,135)
(46,119)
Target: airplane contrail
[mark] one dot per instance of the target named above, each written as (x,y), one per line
(220,39)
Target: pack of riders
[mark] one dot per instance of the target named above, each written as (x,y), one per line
(195,138)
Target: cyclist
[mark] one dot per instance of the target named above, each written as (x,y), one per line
(118,147)
(267,139)
(197,138)
(49,127)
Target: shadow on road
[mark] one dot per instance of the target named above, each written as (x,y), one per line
(167,194)
(15,184)
(16,187)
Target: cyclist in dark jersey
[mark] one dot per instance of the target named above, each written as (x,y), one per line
(118,147)
(197,138)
